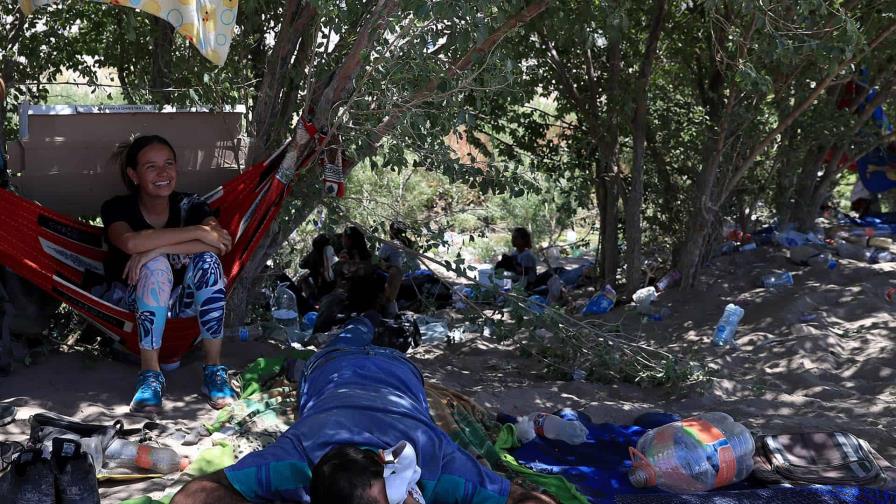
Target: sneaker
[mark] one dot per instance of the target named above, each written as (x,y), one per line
(150,387)
(30,480)
(75,475)
(216,386)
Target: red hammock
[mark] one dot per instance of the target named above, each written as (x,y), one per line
(64,256)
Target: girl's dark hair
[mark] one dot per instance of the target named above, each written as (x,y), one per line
(398,231)
(126,153)
(344,475)
(523,234)
(357,244)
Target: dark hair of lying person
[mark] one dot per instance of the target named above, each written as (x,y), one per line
(346,475)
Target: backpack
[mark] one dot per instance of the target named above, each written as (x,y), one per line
(400,334)
(823,458)
(94,439)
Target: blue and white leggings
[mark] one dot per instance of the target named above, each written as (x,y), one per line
(154,299)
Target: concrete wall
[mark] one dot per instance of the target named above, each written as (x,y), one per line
(63,158)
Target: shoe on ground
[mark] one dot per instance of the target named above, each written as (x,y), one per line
(216,386)
(150,388)
(7,414)
(75,474)
(30,480)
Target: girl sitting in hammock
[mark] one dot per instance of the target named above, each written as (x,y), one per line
(163,262)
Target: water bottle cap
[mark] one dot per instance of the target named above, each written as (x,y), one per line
(184,463)
(642,474)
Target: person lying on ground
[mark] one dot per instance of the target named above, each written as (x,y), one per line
(363,435)
(163,260)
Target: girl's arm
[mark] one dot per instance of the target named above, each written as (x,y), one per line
(135,242)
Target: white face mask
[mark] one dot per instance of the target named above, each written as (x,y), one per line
(401,473)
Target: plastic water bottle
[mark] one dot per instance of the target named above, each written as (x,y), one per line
(670,279)
(285,310)
(130,455)
(877,256)
(775,280)
(694,455)
(823,261)
(852,251)
(727,325)
(551,427)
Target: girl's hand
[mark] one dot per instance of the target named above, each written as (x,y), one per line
(135,264)
(216,236)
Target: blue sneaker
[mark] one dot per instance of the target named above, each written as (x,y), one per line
(150,386)
(216,386)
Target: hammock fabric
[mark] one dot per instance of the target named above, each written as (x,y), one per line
(65,256)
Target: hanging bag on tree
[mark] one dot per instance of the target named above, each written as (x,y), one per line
(333,176)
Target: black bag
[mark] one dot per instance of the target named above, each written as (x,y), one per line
(94,439)
(400,334)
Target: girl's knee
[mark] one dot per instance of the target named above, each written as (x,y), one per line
(157,266)
(206,271)
(156,281)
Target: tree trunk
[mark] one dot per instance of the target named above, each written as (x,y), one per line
(635,198)
(162,61)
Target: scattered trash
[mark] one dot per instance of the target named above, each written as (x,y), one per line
(602,302)
(284,311)
(852,251)
(746,247)
(434,332)
(880,243)
(877,256)
(727,326)
(537,304)
(808,317)
(658,313)
(579,374)
(550,427)
(775,280)
(130,455)
(694,455)
(308,321)
(671,279)
(890,294)
(643,299)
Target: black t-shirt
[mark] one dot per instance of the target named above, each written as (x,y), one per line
(184,209)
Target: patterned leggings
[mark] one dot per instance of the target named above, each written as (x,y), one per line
(154,298)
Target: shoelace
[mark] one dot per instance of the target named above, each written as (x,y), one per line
(219,376)
(151,382)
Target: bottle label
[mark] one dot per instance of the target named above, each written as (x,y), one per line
(709,435)
(144,456)
(538,421)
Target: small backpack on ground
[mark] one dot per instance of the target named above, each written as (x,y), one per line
(823,458)
(400,334)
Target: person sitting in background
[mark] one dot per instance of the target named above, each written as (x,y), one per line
(320,280)
(357,283)
(521,263)
(396,262)
(363,435)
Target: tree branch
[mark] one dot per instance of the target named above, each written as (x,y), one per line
(462,65)
(750,159)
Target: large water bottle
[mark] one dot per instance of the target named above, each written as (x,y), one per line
(130,455)
(775,280)
(285,311)
(822,261)
(724,334)
(694,455)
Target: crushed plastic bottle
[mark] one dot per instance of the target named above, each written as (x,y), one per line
(727,326)
(823,261)
(775,280)
(602,302)
(550,427)
(694,455)
(669,280)
(130,455)
(537,304)
(878,256)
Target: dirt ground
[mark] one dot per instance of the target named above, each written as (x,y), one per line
(835,372)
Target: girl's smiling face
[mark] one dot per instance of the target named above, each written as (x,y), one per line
(156,172)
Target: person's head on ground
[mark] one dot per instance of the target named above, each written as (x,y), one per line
(354,243)
(148,165)
(521,239)
(348,475)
